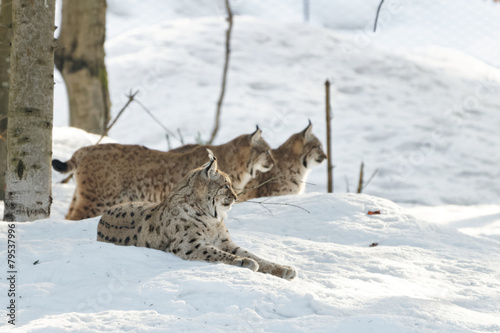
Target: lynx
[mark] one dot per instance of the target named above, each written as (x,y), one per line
(110,174)
(189,223)
(294,160)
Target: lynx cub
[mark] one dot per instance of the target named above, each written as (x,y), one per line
(110,174)
(189,222)
(294,160)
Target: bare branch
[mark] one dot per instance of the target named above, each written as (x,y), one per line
(370,179)
(263,202)
(347,184)
(257,186)
(157,121)
(130,99)
(224,74)
(376,17)
(66,180)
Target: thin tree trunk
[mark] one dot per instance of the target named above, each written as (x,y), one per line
(29,134)
(80,59)
(5,38)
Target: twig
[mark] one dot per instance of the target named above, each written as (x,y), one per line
(66,180)
(224,74)
(260,203)
(277,203)
(157,121)
(181,139)
(370,179)
(257,186)
(130,99)
(168,141)
(360,183)
(347,184)
(376,17)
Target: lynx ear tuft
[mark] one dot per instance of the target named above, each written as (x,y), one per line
(211,155)
(307,133)
(210,168)
(255,136)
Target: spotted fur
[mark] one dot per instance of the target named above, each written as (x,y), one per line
(294,160)
(110,174)
(189,223)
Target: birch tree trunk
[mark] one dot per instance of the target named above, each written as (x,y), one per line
(5,38)
(80,59)
(29,134)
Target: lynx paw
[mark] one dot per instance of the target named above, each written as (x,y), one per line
(288,273)
(247,263)
(284,272)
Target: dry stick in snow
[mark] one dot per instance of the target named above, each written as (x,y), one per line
(169,132)
(328,139)
(257,186)
(130,99)
(376,17)
(263,202)
(360,183)
(224,74)
(370,179)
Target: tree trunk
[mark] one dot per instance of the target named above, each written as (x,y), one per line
(5,37)
(80,59)
(31,95)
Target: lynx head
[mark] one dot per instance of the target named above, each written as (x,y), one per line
(259,156)
(307,147)
(213,187)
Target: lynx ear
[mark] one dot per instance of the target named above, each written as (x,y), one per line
(307,133)
(255,136)
(210,168)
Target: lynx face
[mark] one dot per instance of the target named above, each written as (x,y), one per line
(221,193)
(314,154)
(261,158)
(214,187)
(295,159)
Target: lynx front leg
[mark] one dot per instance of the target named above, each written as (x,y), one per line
(215,255)
(285,272)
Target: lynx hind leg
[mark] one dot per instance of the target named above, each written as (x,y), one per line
(281,271)
(84,206)
(214,255)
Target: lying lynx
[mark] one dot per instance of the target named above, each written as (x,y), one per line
(294,160)
(110,174)
(188,223)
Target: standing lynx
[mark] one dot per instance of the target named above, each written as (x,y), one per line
(110,174)
(294,160)
(189,223)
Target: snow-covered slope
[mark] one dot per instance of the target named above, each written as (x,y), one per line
(416,101)
(420,277)
(427,121)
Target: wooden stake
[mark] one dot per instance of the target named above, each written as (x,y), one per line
(360,183)
(328,138)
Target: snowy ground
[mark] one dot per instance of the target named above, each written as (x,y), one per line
(420,278)
(418,101)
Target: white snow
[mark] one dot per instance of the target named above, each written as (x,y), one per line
(418,100)
(420,278)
